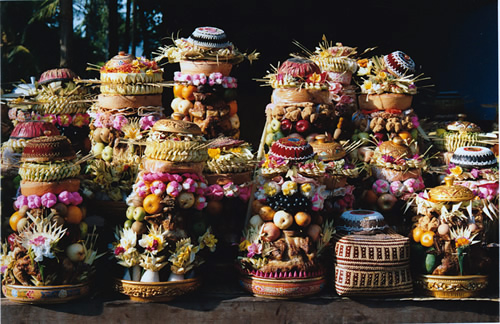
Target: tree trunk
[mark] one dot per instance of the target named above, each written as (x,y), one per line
(126,42)
(112,27)
(66,30)
(134,27)
(144,29)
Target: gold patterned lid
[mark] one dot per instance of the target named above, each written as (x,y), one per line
(462,125)
(450,192)
(395,148)
(327,150)
(176,126)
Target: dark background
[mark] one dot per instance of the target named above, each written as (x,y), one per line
(455,43)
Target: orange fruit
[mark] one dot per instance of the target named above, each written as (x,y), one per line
(178,90)
(187,92)
(405,135)
(74,215)
(233,107)
(152,204)
(14,218)
(427,238)
(417,233)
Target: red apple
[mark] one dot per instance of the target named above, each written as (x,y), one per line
(302,219)
(386,201)
(256,206)
(379,136)
(314,232)
(369,198)
(302,126)
(270,232)
(286,126)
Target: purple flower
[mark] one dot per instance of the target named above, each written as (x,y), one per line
(475,173)
(254,249)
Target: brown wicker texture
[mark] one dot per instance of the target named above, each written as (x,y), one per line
(372,265)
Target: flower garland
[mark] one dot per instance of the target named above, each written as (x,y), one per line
(48,200)
(79,119)
(215,78)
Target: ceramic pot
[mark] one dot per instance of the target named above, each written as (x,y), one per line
(290,288)
(45,294)
(385,101)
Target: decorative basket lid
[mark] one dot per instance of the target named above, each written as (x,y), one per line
(62,74)
(462,125)
(209,37)
(176,126)
(399,63)
(327,150)
(474,157)
(225,142)
(292,148)
(395,148)
(47,149)
(450,192)
(119,60)
(299,67)
(361,221)
(32,129)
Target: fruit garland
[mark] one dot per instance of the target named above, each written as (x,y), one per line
(229,190)
(17,115)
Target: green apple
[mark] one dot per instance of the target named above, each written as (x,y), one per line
(275,125)
(363,136)
(128,223)
(139,214)
(107,154)
(97,149)
(278,135)
(75,252)
(130,212)
(269,139)
(84,229)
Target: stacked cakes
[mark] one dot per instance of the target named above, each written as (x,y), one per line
(204,91)
(50,245)
(129,104)
(300,102)
(290,227)
(388,84)
(165,224)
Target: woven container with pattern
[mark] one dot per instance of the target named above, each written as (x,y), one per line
(372,265)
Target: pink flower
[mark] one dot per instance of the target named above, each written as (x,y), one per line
(200,202)
(34,202)
(475,173)
(174,188)
(147,122)
(49,199)
(21,201)
(414,121)
(254,249)
(245,193)
(215,192)
(64,120)
(158,187)
(189,185)
(76,198)
(65,197)
(37,241)
(346,99)
(119,121)
(142,189)
(119,250)
(201,189)
(177,178)
(335,87)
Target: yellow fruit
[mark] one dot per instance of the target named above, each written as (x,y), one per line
(417,233)
(187,92)
(152,204)
(74,215)
(233,107)
(427,239)
(178,90)
(14,218)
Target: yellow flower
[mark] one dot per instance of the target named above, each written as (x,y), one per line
(244,245)
(208,240)
(382,75)
(363,63)
(236,150)
(324,54)
(367,85)
(456,171)
(214,153)
(315,77)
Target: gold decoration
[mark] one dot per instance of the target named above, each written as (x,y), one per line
(156,291)
(326,150)
(451,286)
(450,192)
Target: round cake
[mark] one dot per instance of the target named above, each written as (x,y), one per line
(399,63)
(361,220)
(209,37)
(299,67)
(62,74)
(31,129)
(292,148)
(474,157)
(327,151)
(47,149)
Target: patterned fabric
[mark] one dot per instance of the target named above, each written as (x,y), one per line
(372,265)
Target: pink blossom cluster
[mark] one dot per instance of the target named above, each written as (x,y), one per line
(48,200)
